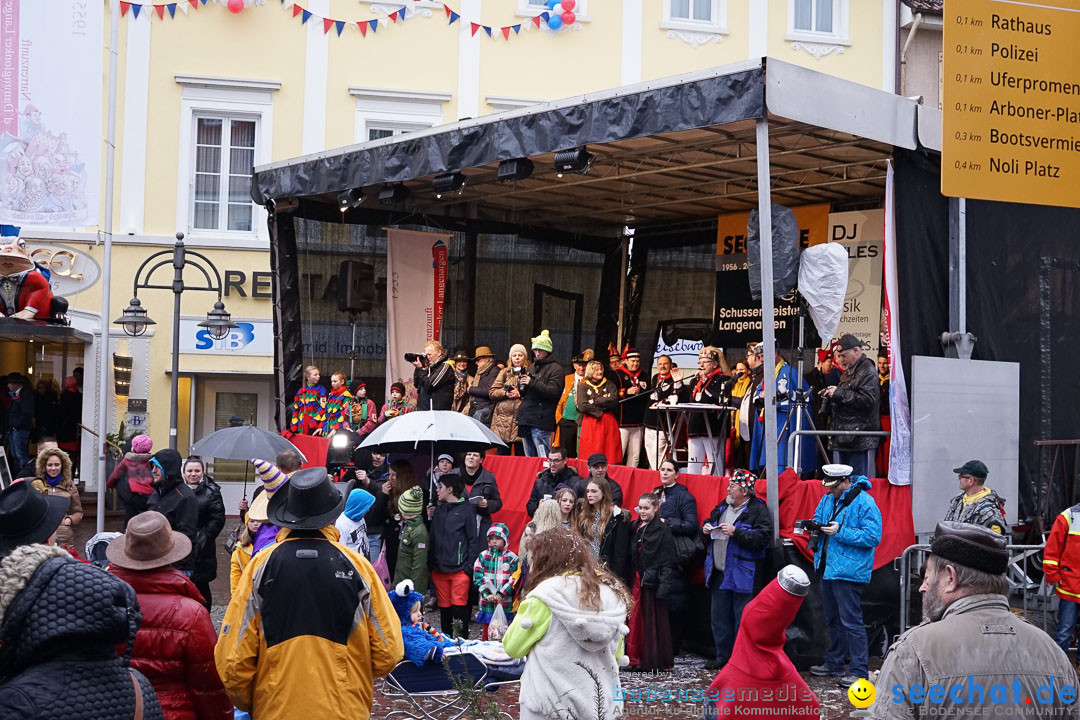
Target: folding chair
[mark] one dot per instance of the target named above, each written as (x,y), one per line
(431,690)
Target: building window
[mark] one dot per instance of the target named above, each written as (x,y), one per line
(226,129)
(824,22)
(384,113)
(228,405)
(224,158)
(695,22)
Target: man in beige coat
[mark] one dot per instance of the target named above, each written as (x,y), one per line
(971,654)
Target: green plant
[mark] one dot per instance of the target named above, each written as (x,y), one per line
(115,441)
(478,706)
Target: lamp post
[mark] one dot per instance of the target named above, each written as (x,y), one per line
(218,322)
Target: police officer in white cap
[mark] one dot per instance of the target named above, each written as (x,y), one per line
(851,528)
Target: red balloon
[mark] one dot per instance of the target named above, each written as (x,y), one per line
(567,6)
(236,6)
(568,17)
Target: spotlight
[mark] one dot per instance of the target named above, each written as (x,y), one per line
(577,161)
(448,183)
(349,199)
(516,169)
(391,194)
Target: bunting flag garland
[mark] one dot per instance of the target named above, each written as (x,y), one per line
(397,17)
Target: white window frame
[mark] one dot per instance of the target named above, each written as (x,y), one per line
(716,26)
(398,110)
(506,103)
(839,35)
(526,9)
(241,99)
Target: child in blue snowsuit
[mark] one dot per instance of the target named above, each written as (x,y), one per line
(422,642)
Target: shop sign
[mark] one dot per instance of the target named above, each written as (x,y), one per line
(250,337)
(70,271)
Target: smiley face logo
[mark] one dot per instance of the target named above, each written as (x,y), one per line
(862,693)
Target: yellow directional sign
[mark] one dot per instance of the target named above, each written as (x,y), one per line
(1011,101)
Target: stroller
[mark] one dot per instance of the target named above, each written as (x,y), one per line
(444,691)
(95,548)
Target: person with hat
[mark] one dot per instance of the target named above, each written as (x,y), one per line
(434,380)
(461,381)
(272,476)
(479,405)
(760,680)
(20,417)
(413,541)
(972,652)
(706,430)
(633,399)
(597,403)
(397,404)
(540,387)
(68,628)
(506,394)
(566,412)
(310,625)
(493,576)
(363,414)
(236,421)
(598,466)
(423,643)
(745,417)
(976,503)
(132,478)
(174,647)
(352,529)
(850,523)
(740,530)
(28,517)
(854,406)
(175,500)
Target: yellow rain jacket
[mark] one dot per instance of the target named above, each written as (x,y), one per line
(309,628)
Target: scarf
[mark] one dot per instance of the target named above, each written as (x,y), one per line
(596,387)
(54,481)
(703,380)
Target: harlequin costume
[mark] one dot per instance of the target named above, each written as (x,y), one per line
(309,410)
(759,676)
(338,409)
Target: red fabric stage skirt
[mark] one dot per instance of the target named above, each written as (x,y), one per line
(600,435)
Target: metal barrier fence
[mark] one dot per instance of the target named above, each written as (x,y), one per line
(795,453)
(1020,580)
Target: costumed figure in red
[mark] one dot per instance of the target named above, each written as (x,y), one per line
(759,676)
(597,402)
(24,290)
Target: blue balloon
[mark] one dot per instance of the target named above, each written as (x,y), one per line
(552,3)
(554,22)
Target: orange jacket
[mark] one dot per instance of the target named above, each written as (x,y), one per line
(1061,557)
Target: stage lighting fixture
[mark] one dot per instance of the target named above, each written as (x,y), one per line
(448,183)
(391,194)
(577,161)
(516,169)
(349,199)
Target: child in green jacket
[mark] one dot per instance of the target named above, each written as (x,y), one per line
(412,561)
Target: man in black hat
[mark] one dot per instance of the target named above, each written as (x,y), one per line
(633,399)
(598,470)
(20,418)
(854,406)
(310,625)
(976,504)
(971,652)
(28,517)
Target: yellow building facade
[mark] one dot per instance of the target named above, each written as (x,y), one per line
(204,94)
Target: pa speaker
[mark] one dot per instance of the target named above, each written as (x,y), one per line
(356,286)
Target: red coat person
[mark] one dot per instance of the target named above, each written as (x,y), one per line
(760,675)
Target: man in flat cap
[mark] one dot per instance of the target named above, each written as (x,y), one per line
(971,653)
(976,504)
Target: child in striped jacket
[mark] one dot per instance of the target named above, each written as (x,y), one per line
(493,573)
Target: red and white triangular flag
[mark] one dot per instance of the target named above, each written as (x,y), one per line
(475,27)
(327,23)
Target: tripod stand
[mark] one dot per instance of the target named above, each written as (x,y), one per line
(800,405)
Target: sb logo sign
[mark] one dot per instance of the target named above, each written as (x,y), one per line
(239,337)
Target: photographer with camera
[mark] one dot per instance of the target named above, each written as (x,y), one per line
(506,395)
(433,377)
(847,528)
(854,406)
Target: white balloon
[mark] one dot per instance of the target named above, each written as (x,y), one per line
(558,9)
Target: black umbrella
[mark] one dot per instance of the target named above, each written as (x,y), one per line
(243,443)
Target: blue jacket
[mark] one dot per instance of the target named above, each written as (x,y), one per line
(850,552)
(745,549)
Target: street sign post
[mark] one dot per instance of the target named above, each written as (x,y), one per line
(1011,101)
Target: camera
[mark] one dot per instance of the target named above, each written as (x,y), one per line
(413,357)
(806,526)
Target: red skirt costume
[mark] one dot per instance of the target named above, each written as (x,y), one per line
(759,675)
(596,405)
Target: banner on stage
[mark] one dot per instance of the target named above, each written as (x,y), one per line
(416,264)
(50,112)
(862,234)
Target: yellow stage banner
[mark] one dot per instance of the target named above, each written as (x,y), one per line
(813,229)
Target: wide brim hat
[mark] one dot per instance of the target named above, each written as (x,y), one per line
(309,502)
(482,352)
(461,357)
(147,543)
(28,517)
